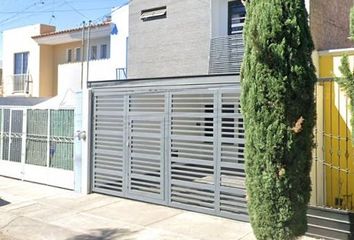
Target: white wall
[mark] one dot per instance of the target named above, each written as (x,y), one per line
(120,17)
(219,14)
(98,42)
(69,75)
(307,4)
(20,40)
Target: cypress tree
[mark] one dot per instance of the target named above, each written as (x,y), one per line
(277,102)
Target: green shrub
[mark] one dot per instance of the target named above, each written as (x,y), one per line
(278,80)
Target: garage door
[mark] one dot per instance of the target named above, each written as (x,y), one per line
(177,147)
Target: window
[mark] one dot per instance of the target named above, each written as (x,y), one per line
(69,57)
(103,53)
(93,55)
(78,54)
(21,63)
(237,14)
(153,13)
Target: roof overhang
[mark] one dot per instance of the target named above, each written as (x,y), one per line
(73,35)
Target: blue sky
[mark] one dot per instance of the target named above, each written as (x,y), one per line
(61,13)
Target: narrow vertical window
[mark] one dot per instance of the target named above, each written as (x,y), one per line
(103,53)
(21,63)
(78,54)
(20,78)
(93,53)
(69,55)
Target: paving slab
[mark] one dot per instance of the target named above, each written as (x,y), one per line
(43,212)
(154,234)
(204,227)
(84,223)
(135,212)
(78,202)
(31,211)
(23,228)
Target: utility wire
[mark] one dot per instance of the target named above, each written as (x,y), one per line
(52,16)
(77,11)
(57,10)
(16,14)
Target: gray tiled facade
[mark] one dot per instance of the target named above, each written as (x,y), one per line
(177,45)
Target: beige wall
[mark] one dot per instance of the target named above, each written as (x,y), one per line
(329,22)
(48,84)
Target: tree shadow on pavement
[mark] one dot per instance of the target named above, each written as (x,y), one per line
(3,202)
(103,234)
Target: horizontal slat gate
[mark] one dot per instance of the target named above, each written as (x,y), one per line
(146,146)
(108,143)
(146,172)
(192,150)
(185,148)
(231,156)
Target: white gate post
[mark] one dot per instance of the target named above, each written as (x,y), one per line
(77,143)
(24,143)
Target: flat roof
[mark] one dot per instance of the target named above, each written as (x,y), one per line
(20,101)
(79,29)
(100,30)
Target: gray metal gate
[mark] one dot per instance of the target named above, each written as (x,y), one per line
(181,147)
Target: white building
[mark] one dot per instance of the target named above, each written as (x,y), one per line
(41,62)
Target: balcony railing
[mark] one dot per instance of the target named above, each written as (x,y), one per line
(226,54)
(121,73)
(21,83)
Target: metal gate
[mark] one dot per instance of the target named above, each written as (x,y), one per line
(38,145)
(181,147)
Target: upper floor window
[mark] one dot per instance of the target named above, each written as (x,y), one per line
(153,13)
(103,52)
(21,63)
(237,15)
(69,55)
(78,54)
(93,54)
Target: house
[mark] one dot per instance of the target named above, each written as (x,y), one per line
(37,133)
(172,133)
(177,120)
(39,61)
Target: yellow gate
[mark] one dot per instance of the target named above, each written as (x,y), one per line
(333,168)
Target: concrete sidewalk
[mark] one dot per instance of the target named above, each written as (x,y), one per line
(31,211)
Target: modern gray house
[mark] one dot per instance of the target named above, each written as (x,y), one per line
(173,133)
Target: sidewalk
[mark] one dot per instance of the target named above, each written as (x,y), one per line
(33,211)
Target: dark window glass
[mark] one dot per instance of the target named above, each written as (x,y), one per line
(103,53)
(93,52)
(70,57)
(237,14)
(78,54)
(21,63)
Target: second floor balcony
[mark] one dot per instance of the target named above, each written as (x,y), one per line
(226,54)
(21,83)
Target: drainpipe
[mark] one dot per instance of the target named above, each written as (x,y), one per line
(82,53)
(88,50)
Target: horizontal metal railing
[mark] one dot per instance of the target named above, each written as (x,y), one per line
(226,54)
(121,73)
(21,83)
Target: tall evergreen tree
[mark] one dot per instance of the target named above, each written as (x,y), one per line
(278,80)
